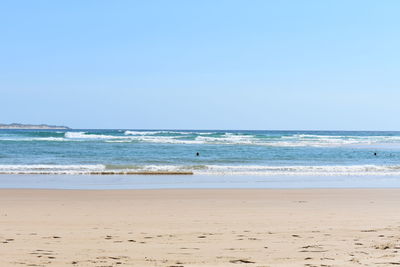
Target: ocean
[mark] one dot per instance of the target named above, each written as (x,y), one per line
(220,152)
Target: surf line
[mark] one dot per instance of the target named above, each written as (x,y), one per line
(102,173)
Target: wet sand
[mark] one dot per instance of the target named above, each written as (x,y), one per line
(232,227)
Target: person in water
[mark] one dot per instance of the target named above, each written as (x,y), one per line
(197,154)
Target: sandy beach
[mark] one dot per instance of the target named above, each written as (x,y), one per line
(301,227)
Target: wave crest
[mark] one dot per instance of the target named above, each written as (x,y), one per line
(215,138)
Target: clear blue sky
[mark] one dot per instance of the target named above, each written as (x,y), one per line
(201,64)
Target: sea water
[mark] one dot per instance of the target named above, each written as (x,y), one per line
(233,154)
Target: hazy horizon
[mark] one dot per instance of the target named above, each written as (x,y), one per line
(203,129)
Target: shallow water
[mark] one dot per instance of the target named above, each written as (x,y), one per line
(193,181)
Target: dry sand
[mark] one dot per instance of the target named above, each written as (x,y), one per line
(319,227)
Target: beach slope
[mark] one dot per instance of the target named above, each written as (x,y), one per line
(318,227)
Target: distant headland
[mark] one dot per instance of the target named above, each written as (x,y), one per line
(31,126)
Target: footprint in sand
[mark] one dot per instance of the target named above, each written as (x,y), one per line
(241,261)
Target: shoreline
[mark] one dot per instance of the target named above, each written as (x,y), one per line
(104,182)
(200,227)
(105,173)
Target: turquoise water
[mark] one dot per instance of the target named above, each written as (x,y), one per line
(259,153)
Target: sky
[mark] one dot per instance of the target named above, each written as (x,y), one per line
(210,64)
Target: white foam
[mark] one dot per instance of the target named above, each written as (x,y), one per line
(50,166)
(340,170)
(34,139)
(332,140)
(165,132)
(141,132)
(85,135)
(354,170)
(50,169)
(48,139)
(162,139)
(229,138)
(218,138)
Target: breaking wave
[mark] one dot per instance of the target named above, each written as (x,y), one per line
(355,170)
(85,135)
(177,137)
(208,137)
